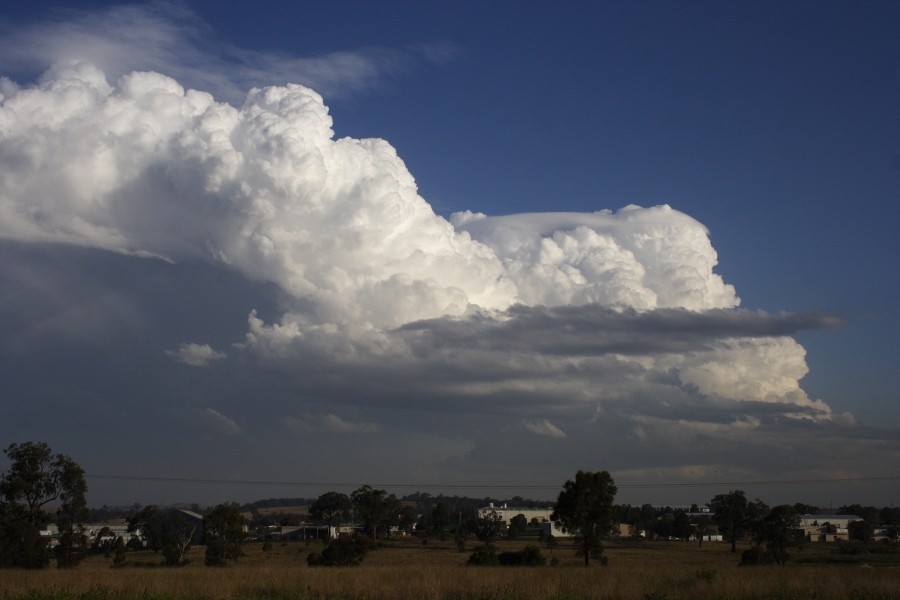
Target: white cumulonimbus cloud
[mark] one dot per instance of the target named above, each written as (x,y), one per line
(142,166)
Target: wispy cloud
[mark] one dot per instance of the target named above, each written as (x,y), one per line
(543,427)
(327,423)
(168,37)
(223,424)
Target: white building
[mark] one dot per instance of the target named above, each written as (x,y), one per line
(827,528)
(506,513)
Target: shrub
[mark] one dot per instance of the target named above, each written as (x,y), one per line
(852,547)
(219,552)
(119,558)
(757,555)
(530,556)
(484,556)
(342,552)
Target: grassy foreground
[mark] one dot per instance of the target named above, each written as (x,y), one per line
(408,570)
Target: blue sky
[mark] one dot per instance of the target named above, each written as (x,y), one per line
(773,124)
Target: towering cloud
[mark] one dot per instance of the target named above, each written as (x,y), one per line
(144,167)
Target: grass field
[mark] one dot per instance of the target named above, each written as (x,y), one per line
(407,570)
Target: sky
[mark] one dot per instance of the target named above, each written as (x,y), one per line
(453,247)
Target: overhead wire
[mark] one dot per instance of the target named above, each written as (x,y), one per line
(671,484)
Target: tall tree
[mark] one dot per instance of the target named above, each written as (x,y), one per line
(375,507)
(584,508)
(72,512)
(440,520)
(224,530)
(330,507)
(780,530)
(146,523)
(37,477)
(178,533)
(862,531)
(488,526)
(169,532)
(734,514)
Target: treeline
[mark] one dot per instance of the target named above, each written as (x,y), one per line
(421,502)
(41,489)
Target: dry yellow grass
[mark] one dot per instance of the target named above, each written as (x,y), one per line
(408,570)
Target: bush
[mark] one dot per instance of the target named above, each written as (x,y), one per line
(484,556)
(852,547)
(342,552)
(757,555)
(530,556)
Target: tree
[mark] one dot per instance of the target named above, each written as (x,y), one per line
(375,507)
(71,514)
(330,507)
(584,507)
(168,532)
(440,520)
(146,524)
(734,514)
(703,526)
(406,519)
(224,532)
(517,526)
(177,535)
(488,526)
(861,531)
(779,530)
(36,478)
(681,527)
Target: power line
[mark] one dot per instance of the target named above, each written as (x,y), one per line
(247,482)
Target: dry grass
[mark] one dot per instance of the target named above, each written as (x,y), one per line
(408,570)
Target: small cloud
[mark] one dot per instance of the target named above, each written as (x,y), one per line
(544,427)
(310,423)
(224,424)
(196,355)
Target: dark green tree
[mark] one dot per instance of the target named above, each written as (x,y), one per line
(488,526)
(682,527)
(146,523)
(224,530)
(104,541)
(178,534)
(168,532)
(119,557)
(517,526)
(36,478)
(780,530)
(703,526)
(406,519)
(70,515)
(861,531)
(376,508)
(734,514)
(441,520)
(584,508)
(330,507)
